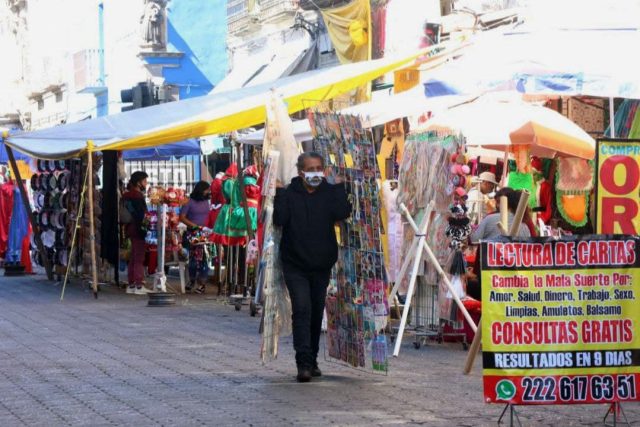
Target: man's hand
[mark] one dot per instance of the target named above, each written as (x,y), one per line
(279,184)
(329,172)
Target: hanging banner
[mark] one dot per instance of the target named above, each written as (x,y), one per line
(560,320)
(618,186)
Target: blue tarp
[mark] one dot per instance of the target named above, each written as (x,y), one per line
(4,158)
(189,147)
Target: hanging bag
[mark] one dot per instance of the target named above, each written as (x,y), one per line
(124,214)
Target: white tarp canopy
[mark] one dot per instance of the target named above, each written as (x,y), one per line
(543,61)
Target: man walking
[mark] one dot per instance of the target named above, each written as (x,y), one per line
(307,211)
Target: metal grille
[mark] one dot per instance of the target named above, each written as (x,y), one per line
(180,173)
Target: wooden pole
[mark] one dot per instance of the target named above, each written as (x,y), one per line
(504,225)
(25,201)
(92,225)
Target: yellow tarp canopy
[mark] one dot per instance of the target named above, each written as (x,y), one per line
(207,115)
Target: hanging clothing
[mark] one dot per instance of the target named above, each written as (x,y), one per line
(231,226)
(18,229)
(6,207)
(349,27)
(217,201)
(25,258)
(545,201)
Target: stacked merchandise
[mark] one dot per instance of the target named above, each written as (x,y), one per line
(357,306)
(56,191)
(173,198)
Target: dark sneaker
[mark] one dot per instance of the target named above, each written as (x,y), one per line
(304,375)
(200,289)
(315,371)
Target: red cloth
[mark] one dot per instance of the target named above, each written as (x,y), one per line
(544,200)
(217,199)
(25,256)
(6,207)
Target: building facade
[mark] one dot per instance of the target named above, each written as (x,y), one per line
(70,60)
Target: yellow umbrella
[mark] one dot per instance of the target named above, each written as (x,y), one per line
(502,125)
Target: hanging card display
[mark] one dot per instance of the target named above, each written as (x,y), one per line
(358,304)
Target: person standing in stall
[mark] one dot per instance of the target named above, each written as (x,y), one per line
(307,211)
(136,205)
(195,215)
(477,199)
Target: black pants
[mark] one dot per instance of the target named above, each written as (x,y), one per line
(308,290)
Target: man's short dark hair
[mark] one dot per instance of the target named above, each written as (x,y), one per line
(308,155)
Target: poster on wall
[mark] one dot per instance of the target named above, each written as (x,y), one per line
(560,320)
(618,186)
(358,302)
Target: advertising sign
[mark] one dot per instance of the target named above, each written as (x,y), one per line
(561,320)
(618,186)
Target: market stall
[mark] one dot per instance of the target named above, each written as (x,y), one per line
(168,123)
(437,168)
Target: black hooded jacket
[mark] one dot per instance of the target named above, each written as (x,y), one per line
(307,220)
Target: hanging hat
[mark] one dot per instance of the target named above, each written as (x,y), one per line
(62,238)
(51,165)
(34,182)
(59,220)
(61,201)
(487,177)
(48,201)
(63,180)
(48,238)
(38,200)
(52,184)
(41,165)
(63,165)
(40,182)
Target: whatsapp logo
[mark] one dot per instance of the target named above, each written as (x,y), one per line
(505,390)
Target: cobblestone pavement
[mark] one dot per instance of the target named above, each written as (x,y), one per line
(115,361)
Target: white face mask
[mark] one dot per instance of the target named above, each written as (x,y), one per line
(313,179)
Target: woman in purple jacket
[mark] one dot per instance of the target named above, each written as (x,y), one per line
(195,215)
